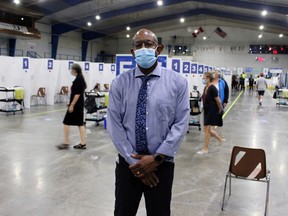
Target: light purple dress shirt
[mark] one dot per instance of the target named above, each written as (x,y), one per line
(167,112)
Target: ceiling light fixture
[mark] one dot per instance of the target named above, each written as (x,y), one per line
(16,1)
(264,13)
(196,31)
(204,38)
(182,20)
(260,36)
(159,3)
(128,36)
(281,35)
(89,24)
(22,18)
(98,17)
(261,27)
(128,28)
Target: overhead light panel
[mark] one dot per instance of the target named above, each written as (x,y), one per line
(261,27)
(182,20)
(128,28)
(159,3)
(22,18)
(98,17)
(264,13)
(204,38)
(260,36)
(89,24)
(281,35)
(128,36)
(16,1)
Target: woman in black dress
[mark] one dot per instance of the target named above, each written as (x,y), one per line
(75,112)
(212,111)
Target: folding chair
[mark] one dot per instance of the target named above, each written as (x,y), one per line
(248,164)
(63,93)
(41,94)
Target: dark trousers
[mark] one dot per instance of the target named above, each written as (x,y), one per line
(129,190)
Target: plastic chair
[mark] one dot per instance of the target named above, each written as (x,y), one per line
(63,93)
(41,94)
(248,164)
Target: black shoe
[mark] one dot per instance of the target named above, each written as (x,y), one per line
(63,146)
(80,146)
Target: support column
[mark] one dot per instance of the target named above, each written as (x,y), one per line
(12,47)
(84,49)
(54,45)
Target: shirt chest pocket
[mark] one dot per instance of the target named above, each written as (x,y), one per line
(165,111)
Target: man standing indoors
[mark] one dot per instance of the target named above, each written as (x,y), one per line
(223,90)
(148,117)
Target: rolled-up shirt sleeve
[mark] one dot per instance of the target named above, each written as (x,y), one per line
(180,126)
(115,127)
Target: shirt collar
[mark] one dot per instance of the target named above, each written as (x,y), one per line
(155,72)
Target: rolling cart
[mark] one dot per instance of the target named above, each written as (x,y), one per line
(95,108)
(14,102)
(195,108)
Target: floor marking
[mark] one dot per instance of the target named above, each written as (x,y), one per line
(230,107)
(270,93)
(44,113)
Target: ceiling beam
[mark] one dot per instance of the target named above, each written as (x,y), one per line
(195,12)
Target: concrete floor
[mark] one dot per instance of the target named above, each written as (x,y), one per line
(39,180)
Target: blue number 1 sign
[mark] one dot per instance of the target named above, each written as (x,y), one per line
(25,63)
(176,65)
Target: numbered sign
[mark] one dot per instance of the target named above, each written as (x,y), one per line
(87,66)
(101,67)
(176,65)
(70,63)
(25,63)
(194,68)
(186,67)
(206,69)
(200,69)
(163,61)
(50,64)
(113,67)
(210,69)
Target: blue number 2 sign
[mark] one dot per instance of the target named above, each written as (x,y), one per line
(50,65)
(25,63)
(186,67)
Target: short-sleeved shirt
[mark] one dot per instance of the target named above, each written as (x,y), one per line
(262,84)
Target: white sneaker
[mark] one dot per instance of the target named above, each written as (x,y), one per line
(202,152)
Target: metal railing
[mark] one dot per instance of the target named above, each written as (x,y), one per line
(5,52)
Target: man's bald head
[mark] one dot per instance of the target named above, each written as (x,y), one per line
(144,35)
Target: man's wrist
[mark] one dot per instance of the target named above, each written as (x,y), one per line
(159,158)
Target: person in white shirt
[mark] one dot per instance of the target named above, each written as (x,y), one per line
(261,86)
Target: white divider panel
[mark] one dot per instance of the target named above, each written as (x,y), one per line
(64,74)
(109,73)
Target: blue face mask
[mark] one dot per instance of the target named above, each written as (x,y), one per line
(204,81)
(145,57)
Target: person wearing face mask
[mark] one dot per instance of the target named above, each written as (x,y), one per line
(212,110)
(148,117)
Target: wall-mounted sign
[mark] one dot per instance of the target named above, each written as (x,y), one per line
(194,68)
(50,64)
(176,65)
(70,63)
(200,69)
(113,67)
(101,67)
(87,66)
(186,67)
(25,63)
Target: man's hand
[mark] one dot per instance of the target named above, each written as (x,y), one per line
(150,180)
(224,105)
(71,109)
(146,165)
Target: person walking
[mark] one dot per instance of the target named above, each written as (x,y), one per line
(75,113)
(148,117)
(223,91)
(212,111)
(251,84)
(261,86)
